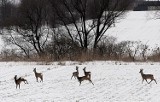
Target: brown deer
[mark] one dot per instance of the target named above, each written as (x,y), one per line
(19,80)
(38,75)
(147,76)
(75,74)
(80,79)
(88,74)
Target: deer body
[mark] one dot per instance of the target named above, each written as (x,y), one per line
(75,74)
(147,76)
(38,75)
(19,80)
(80,79)
(88,74)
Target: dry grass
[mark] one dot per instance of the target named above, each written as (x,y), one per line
(81,57)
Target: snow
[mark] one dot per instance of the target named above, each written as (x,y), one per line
(138,26)
(113,82)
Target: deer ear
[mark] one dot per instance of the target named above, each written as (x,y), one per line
(141,69)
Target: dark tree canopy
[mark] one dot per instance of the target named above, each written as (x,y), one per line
(83,22)
(101,13)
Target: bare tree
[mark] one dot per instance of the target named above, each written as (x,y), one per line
(74,15)
(62,47)
(120,50)
(107,46)
(133,48)
(144,49)
(30,31)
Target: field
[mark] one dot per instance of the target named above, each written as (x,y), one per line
(113,82)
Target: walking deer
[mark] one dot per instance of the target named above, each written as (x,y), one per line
(75,74)
(19,80)
(147,76)
(80,79)
(38,75)
(88,74)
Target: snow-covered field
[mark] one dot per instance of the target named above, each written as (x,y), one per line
(113,82)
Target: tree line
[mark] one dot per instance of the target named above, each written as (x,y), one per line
(65,29)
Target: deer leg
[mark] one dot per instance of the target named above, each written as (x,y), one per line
(72,76)
(41,79)
(151,81)
(155,81)
(37,79)
(16,86)
(75,77)
(142,81)
(19,86)
(79,83)
(146,81)
(91,81)
(89,76)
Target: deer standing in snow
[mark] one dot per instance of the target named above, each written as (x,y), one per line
(38,75)
(147,76)
(19,80)
(88,74)
(75,74)
(80,79)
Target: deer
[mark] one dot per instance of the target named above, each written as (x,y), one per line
(38,75)
(19,80)
(75,74)
(88,74)
(80,79)
(147,76)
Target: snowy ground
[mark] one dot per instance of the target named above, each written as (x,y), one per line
(114,82)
